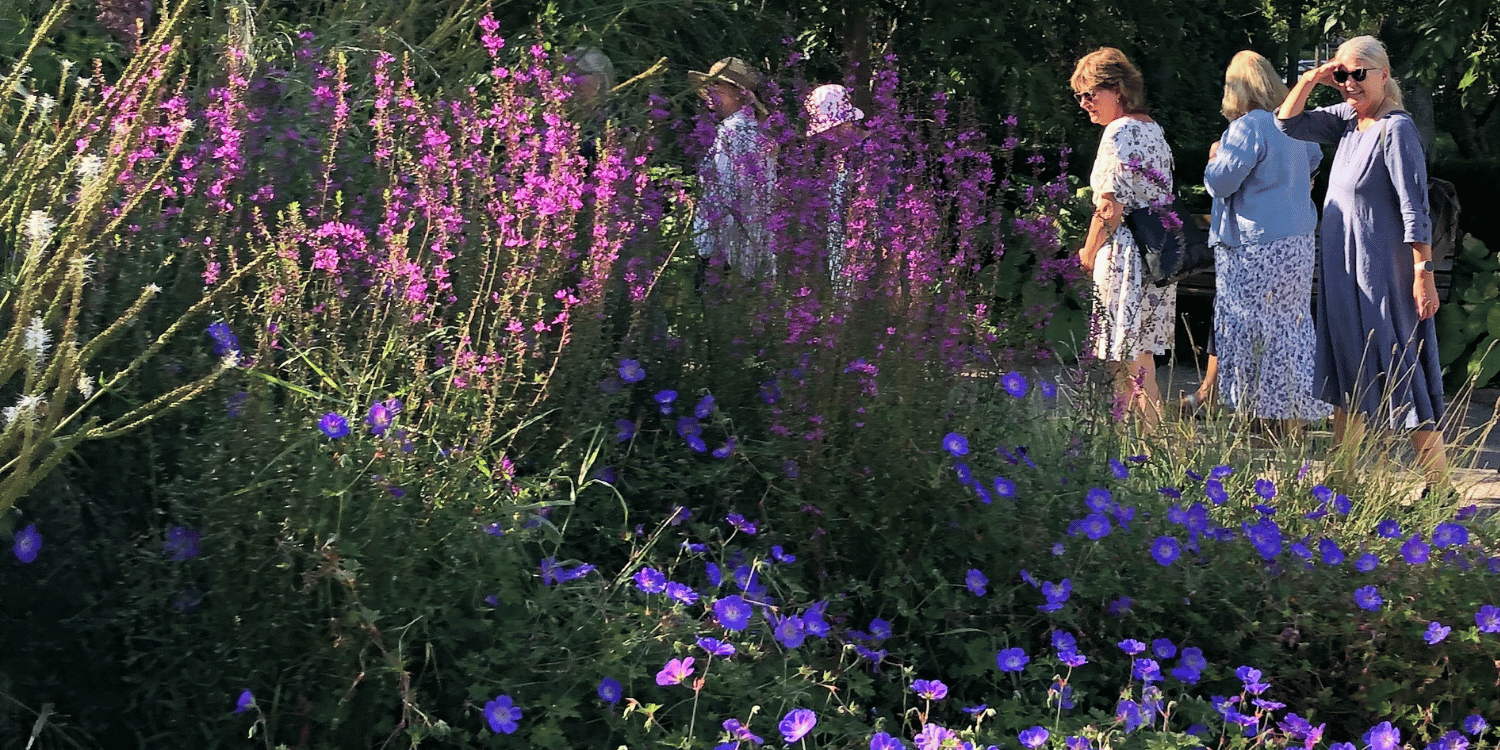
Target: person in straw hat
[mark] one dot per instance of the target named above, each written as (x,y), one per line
(738,175)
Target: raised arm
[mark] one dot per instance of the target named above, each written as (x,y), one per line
(1319,125)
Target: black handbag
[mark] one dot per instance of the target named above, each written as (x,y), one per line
(1171,250)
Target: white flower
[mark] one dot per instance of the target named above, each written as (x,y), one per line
(230,360)
(186,126)
(67,65)
(153,289)
(36,339)
(25,411)
(84,83)
(38,230)
(46,103)
(89,166)
(86,385)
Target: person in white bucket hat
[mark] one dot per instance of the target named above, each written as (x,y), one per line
(828,107)
(832,118)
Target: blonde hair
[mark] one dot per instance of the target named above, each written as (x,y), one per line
(1110,68)
(1251,83)
(1370,52)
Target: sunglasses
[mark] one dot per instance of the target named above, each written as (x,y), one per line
(1357,74)
(1088,96)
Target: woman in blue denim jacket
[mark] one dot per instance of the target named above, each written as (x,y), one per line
(1263,222)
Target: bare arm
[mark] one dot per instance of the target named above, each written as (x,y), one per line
(1297,99)
(1108,213)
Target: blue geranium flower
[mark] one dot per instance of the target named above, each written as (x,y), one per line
(1436,632)
(1416,551)
(182,543)
(631,371)
(932,690)
(1165,550)
(1162,648)
(1012,659)
(664,400)
(1368,598)
(651,580)
(1488,619)
(1388,528)
(610,690)
(334,425)
(1014,383)
(245,702)
(225,341)
(1004,487)
(502,714)
(705,407)
(976,581)
(1449,534)
(1475,725)
(1131,646)
(1330,551)
(716,647)
(733,612)
(1383,737)
(1118,469)
(1366,562)
(956,444)
(1265,488)
(1034,737)
(28,542)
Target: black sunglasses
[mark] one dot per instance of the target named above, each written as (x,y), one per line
(1088,96)
(1357,74)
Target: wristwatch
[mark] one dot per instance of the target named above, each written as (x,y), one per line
(1423,265)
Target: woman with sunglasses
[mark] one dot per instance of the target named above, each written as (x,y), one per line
(1262,232)
(1377,355)
(1132,318)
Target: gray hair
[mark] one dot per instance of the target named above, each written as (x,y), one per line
(1371,53)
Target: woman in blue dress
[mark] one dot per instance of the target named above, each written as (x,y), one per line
(1377,355)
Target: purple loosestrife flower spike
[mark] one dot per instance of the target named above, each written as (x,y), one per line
(28,543)
(334,425)
(796,724)
(502,714)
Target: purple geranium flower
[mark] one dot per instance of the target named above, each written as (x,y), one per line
(1165,550)
(1436,632)
(716,647)
(245,703)
(1014,383)
(956,444)
(1034,737)
(733,612)
(932,690)
(1488,619)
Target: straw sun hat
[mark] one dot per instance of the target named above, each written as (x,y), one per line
(735,72)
